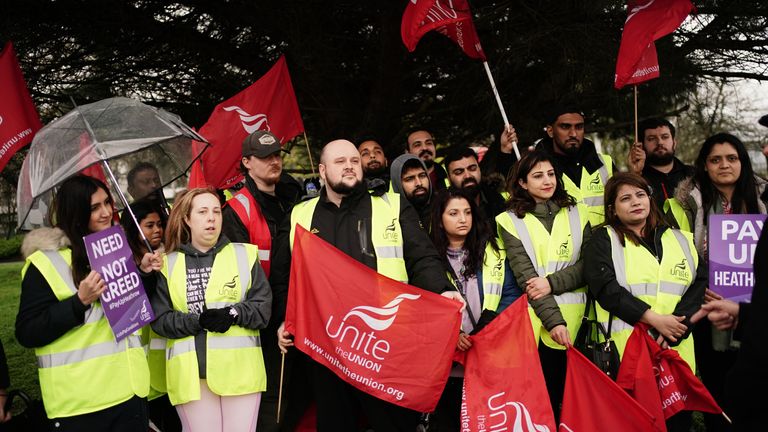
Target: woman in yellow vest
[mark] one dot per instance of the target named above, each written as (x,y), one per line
(543,231)
(88,381)
(724,183)
(478,267)
(212,297)
(640,270)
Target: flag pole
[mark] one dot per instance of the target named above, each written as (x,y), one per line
(726,417)
(501,106)
(309,153)
(635,86)
(280,390)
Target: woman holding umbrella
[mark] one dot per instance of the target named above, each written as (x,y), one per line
(88,381)
(211,300)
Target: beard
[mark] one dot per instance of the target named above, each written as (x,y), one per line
(470,186)
(342,188)
(419,201)
(375,172)
(570,147)
(654,159)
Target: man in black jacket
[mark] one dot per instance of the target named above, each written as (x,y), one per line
(344,206)
(654,158)
(464,173)
(253,215)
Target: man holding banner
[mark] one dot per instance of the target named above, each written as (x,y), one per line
(382,233)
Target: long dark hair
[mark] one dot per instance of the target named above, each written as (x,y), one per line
(141,209)
(478,235)
(744,199)
(520,201)
(72,210)
(612,187)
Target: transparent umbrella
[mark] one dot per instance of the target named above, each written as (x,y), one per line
(106,139)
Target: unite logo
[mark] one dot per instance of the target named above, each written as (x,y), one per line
(389,232)
(364,342)
(498,420)
(595,185)
(229,289)
(680,270)
(251,123)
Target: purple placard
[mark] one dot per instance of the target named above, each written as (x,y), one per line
(731,246)
(124,300)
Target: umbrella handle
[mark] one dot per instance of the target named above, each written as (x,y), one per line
(127,207)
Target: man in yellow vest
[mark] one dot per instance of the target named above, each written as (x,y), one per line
(253,215)
(355,222)
(585,171)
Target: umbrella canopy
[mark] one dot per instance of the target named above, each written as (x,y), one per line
(122,131)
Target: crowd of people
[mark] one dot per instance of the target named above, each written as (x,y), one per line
(564,226)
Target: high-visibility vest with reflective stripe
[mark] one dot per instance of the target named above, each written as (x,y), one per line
(659,284)
(155,345)
(386,233)
(250,215)
(234,363)
(551,252)
(85,370)
(673,206)
(590,191)
(493,276)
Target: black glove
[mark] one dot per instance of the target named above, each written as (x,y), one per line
(217,320)
(485,318)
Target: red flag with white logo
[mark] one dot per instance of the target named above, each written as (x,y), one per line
(268,104)
(647,21)
(593,402)
(18,117)
(503,382)
(388,339)
(451,18)
(673,388)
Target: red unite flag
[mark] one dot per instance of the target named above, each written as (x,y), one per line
(504,386)
(647,21)
(593,402)
(659,379)
(268,104)
(452,18)
(388,339)
(18,117)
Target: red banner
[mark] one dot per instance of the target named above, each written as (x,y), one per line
(503,382)
(593,402)
(451,18)
(388,339)
(268,104)
(18,117)
(659,379)
(647,21)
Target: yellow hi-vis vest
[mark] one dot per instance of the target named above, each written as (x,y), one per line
(234,363)
(493,276)
(386,234)
(660,285)
(156,359)
(85,370)
(590,191)
(672,206)
(551,252)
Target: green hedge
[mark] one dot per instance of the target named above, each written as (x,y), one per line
(11,247)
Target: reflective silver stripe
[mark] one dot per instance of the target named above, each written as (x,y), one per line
(643,289)
(672,288)
(180,348)
(244,201)
(263,255)
(603,170)
(172,257)
(617,326)
(571,298)
(574,221)
(95,312)
(232,342)
(389,251)
(688,255)
(525,239)
(595,201)
(91,352)
(157,344)
(219,305)
(493,288)
(62,268)
(617,256)
(241,255)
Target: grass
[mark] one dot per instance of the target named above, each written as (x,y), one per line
(21,361)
